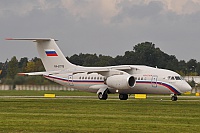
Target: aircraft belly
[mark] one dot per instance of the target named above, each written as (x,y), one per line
(82,85)
(160,88)
(147,88)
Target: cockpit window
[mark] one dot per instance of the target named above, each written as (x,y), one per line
(175,78)
(172,78)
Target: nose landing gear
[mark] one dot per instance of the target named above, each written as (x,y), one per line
(174,97)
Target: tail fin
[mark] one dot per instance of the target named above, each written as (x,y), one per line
(50,54)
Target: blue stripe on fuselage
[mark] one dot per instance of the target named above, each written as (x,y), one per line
(160,83)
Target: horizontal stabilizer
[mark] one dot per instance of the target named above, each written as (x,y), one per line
(38,73)
(31,39)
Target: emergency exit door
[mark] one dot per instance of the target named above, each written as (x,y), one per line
(154,80)
(70,80)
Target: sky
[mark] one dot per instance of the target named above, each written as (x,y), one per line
(107,27)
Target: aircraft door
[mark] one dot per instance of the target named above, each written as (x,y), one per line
(154,80)
(70,80)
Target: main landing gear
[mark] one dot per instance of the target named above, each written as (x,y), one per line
(102,96)
(174,97)
(123,96)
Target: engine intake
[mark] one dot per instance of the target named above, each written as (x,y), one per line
(121,81)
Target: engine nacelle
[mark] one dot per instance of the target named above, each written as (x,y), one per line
(121,81)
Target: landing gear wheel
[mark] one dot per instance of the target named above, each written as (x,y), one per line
(174,98)
(102,96)
(123,96)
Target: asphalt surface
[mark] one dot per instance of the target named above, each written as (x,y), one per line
(109,97)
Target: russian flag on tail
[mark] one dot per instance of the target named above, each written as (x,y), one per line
(51,52)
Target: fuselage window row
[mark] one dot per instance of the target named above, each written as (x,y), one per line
(98,78)
(140,78)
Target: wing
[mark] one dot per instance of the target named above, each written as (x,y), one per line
(105,71)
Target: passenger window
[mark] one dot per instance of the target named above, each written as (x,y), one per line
(142,78)
(88,77)
(82,77)
(97,78)
(91,77)
(139,78)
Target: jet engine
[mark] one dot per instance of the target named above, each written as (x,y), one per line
(121,81)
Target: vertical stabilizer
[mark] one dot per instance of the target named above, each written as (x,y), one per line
(50,54)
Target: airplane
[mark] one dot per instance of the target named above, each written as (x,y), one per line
(122,79)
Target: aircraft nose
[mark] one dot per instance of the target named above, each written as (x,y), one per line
(185,87)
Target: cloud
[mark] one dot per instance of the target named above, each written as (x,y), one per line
(102,25)
(182,7)
(137,13)
(102,10)
(25,7)
(18,7)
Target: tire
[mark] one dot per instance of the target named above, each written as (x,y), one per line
(102,96)
(174,98)
(123,96)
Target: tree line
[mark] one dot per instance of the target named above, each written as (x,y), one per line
(142,54)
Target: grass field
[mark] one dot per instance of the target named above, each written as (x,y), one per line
(93,115)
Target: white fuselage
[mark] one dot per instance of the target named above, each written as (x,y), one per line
(148,81)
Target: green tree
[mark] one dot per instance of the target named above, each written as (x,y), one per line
(12,67)
(22,64)
(30,67)
(91,60)
(191,66)
(38,64)
(145,53)
(172,63)
(119,60)
(3,70)
(129,58)
(198,68)
(105,61)
(76,59)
